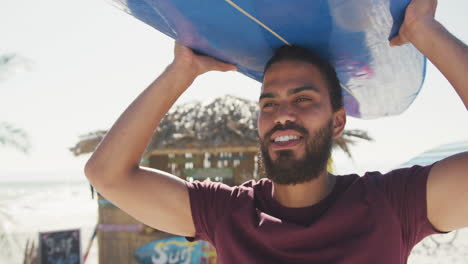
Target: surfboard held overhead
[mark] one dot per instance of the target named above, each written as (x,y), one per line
(377,80)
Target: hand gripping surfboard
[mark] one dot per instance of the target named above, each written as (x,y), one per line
(353,35)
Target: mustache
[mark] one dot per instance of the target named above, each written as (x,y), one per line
(287,126)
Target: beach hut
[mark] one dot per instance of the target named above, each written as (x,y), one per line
(217,141)
(195,141)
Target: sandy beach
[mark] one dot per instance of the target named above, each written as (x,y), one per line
(28,208)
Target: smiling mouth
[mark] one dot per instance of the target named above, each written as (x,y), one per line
(286,141)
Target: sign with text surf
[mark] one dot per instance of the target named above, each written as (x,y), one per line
(176,250)
(60,247)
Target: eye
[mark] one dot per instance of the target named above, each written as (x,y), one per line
(302,99)
(268,104)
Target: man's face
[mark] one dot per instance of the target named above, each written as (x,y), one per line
(296,122)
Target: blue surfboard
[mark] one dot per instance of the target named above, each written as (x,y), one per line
(353,35)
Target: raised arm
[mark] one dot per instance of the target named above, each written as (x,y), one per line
(447,186)
(444,50)
(154,197)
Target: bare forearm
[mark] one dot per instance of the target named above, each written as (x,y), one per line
(122,148)
(445,51)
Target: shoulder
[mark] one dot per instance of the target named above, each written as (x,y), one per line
(393,185)
(403,189)
(415,175)
(254,186)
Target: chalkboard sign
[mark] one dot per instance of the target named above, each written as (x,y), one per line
(60,247)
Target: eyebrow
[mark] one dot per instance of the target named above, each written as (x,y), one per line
(266,95)
(303,88)
(290,92)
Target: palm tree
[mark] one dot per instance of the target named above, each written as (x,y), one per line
(9,135)
(16,138)
(349,138)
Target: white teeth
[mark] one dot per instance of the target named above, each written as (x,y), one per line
(285,138)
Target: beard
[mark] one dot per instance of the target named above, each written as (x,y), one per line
(287,169)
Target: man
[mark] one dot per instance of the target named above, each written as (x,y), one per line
(301,214)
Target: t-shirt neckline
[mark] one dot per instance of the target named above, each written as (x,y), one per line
(301,215)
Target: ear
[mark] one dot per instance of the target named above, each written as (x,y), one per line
(339,122)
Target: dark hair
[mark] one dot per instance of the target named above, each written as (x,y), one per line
(297,53)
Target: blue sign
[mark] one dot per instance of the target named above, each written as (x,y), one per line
(176,250)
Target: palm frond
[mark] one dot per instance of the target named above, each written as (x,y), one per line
(11,64)
(11,136)
(350,138)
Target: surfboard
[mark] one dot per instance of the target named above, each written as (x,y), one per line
(176,250)
(352,35)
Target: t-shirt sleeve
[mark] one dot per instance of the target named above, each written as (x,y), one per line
(208,202)
(406,190)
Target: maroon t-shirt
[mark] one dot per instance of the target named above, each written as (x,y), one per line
(377,218)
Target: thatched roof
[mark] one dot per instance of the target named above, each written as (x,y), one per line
(224,123)
(227,122)
(88,142)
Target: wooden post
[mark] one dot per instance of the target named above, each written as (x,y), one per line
(230,163)
(246,168)
(213,161)
(180,166)
(198,160)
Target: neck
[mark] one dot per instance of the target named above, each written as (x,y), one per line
(304,194)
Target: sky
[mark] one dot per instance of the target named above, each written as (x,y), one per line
(81,63)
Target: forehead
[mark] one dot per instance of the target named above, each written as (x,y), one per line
(285,75)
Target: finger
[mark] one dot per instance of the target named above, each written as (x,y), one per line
(227,67)
(398,40)
(212,64)
(181,49)
(394,41)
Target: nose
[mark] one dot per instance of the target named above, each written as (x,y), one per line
(285,114)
